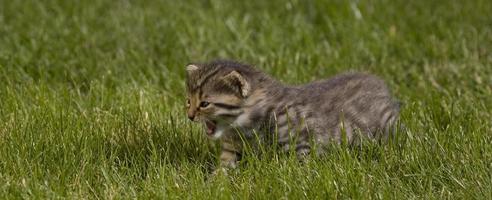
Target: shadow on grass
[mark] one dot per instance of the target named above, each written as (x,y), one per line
(139,143)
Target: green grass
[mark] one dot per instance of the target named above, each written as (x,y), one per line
(92,96)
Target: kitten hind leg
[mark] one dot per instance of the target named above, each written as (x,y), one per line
(303,150)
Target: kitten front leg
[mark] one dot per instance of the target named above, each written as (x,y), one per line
(229,156)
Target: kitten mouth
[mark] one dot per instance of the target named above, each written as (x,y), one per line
(211,127)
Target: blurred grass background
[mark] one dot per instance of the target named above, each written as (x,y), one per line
(92,96)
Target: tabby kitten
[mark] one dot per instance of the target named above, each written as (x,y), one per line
(234,101)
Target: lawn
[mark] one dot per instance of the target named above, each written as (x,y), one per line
(92,97)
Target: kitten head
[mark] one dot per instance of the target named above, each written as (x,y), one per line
(216,92)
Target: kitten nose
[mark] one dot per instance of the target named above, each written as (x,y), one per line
(191,117)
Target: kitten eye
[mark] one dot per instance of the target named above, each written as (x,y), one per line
(204,104)
(187,102)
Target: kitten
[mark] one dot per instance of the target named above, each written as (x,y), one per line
(234,101)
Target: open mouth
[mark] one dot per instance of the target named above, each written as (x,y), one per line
(211,127)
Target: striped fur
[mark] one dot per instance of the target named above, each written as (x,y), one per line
(234,100)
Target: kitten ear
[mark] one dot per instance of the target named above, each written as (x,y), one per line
(191,68)
(237,82)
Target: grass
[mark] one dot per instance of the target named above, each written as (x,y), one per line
(92,97)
